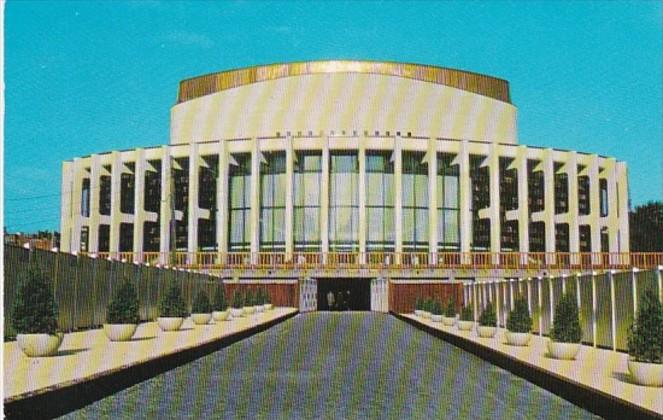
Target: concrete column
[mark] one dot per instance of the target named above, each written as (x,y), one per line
(398,195)
(573,219)
(432,199)
(523,203)
(594,204)
(362,200)
(139,204)
(255,199)
(324,199)
(95,192)
(549,201)
(222,200)
(166,210)
(193,211)
(289,197)
(494,181)
(612,219)
(66,213)
(463,160)
(116,186)
(622,208)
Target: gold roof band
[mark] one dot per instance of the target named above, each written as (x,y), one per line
(472,82)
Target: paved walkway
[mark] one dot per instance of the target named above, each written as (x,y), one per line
(89,354)
(336,365)
(599,369)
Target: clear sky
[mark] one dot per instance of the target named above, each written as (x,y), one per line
(84,77)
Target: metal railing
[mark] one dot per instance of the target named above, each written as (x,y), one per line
(531,261)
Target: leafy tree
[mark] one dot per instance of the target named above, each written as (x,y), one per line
(646,225)
(172,304)
(488,317)
(519,320)
(123,308)
(566,325)
(220,303)
(35,310)
(201,303)
(645,339)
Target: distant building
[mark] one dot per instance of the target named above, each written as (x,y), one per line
(40,240)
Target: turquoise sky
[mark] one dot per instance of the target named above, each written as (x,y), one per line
(85,77)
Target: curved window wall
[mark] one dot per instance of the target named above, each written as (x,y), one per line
(448,200)
(306,206)
(239,195)
(380,235)
(272,202)
(343,202)
(415,202)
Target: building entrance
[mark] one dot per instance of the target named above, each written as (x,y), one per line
(344,294)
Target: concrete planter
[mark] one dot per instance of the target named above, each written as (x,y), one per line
(120,332)
(517,339)
(448,321)
(260,308)
(436,318)
(221,315)
(249,310)
(563,351)
(201,319)
(236,312)
(268,306)
(426,314)
(418,312)
(484,331)
(647,374)
(170,323)
(465,325)
(39,345)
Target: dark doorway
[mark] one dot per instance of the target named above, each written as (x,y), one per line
(348,294)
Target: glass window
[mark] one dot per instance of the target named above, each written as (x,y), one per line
(343,201)
(306,224)
(448,235)
(379,201)
(240,203)
(415,202)
(272,202)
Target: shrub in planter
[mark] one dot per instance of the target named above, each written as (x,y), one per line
(249,303)
(419,306)
(487,322)
(267,300)
(259,301)
(645,342)
(436,312)
(219,305)
(172,310)
(519,324)
(122,315)
(466,321)
(566,333)
(428,306)
(35,316)
(201,310)
(237,304)
(449,317)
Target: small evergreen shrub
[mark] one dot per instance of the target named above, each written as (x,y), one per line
(35,310)
(566,324)
(172,304)
(467,313)
(450,311)
(645,338)
(488,317)
(219,303)
(519,320)
(259,299)
(238,299)
(249,300)
(437,308)
(123,308)
(201,304)
(266,298)
(419,304)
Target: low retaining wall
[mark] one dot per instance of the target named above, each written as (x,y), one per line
(403,294)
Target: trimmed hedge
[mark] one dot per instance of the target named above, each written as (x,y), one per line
(35,310)
(201,304)
(488,317)
(123,308)
(566,323)
(172,304)
(645,338)
(519,320)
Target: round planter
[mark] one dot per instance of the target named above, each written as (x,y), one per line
(563,351)
(486,331)
(418,312)
(427,314)
(221,315)
(39,345)
(436,318)
(465,325)
(201,319)
(647,374)
(236,312)
(517,339)
(448,321)
(120,332)
(170,323)
(260,308)
(268,306)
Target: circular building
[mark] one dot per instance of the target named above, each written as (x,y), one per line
(348,163)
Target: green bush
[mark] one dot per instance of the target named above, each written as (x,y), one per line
(645,338)
(249,300)
(467,313)
(266,298)
(201,304)
(238,299)
(566,323)
(35,311)
(171,304)
(219,302)
(123,308)
(450,311)
(259,299)
(419,304)
(437,308)
(519,320)
(488,317)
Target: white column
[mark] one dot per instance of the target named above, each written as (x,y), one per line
(289,197)
(540,304)
(613,225)
(613,309)
(573,219)
(594,203)
(398,195)
(324,199)
(622,195)
(494,181)
(166,212)
(95,180)
(432,199)
(362,200)
(463,160)
(139,207)
(222,187)
(66,213)
(116,187)
(549,201)
(193,213)
(523,203)
(255,199)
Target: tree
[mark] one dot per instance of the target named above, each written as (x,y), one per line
(646,225)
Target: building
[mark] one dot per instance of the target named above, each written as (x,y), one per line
(346,162)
